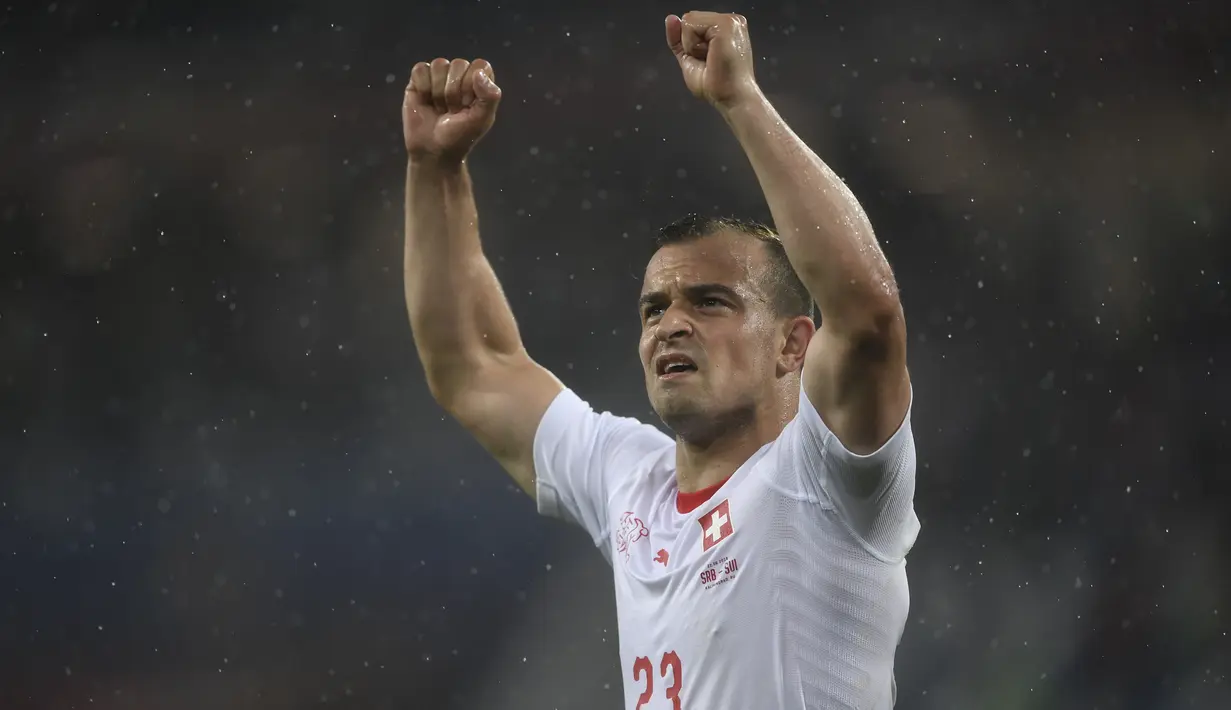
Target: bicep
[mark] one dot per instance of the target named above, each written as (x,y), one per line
(858,381)
(502,406)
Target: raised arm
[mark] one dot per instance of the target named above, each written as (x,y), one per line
(465,333)
(855,372)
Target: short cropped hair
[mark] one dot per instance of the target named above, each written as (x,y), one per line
(788,295)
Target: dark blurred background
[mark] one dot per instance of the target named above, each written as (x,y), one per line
(224,483)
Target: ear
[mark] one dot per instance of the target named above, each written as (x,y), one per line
(797,332)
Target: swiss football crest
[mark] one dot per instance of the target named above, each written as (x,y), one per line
(631,530)
(716,526)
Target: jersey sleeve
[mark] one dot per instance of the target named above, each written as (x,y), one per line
(579,454)
(873,494)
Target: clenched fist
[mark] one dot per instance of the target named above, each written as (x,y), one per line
(449,106)
(715,55)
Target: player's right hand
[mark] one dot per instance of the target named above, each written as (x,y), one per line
(448,107)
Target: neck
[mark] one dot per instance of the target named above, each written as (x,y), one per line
(703,462)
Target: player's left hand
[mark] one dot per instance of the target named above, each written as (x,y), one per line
(715,55)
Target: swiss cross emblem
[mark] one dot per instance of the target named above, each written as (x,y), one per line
(716,526)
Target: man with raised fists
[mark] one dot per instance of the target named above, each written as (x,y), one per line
(759,553)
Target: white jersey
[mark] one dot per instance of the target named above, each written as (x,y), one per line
(786,589)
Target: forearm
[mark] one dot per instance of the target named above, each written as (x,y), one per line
(458,313)
(828,238)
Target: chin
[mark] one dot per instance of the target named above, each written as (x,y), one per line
(699,420)
(677,409)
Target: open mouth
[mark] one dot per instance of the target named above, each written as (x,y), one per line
(674,364)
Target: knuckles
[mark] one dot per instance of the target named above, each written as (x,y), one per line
(724,21)
(428,76)
(443,65)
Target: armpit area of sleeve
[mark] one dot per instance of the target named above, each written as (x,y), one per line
(550,440)
(872,493)
(881,458)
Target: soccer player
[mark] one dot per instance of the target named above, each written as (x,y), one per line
(758,556)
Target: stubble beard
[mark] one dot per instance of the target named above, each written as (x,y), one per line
(697,420)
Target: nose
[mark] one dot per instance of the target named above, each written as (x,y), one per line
(673,324)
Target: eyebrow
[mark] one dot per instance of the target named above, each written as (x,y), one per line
(692,291)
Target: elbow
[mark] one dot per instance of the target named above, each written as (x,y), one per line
(443,389)
(449,377)
(875,327)
(884,337)
(883,313)
(446,389)
(456,381)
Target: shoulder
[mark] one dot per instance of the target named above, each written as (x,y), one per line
(571,425)
(871,494)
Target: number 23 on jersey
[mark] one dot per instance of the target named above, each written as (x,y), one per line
(669,667)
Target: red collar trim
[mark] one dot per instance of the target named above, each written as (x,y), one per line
(685,503)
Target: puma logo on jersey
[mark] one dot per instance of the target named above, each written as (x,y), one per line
(631,530)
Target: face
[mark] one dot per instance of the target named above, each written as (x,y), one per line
(711,345)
